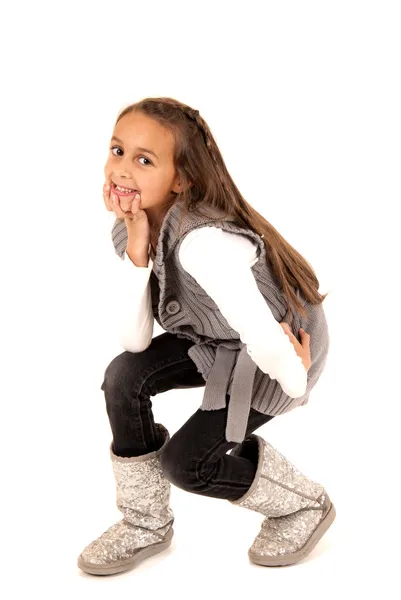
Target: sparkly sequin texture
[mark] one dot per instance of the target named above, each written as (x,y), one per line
(297,510)
(143,496)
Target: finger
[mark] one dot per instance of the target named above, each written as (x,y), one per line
(106,197)
(290,335)
(116,206)
(134,208)
(287,329)
(305,336)
(135,204)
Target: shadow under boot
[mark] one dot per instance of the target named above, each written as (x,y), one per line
(143,496)
(297,511)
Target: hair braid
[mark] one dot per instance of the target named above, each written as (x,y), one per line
(210,143)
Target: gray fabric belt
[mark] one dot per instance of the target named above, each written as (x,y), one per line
(241,392)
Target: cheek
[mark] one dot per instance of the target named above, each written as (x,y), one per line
(108,173)
(108,165)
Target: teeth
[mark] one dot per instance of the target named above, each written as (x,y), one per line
(121,189)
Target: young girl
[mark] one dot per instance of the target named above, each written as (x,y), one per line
(234,299)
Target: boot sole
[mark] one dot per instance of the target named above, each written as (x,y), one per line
(289,559)
(128,563)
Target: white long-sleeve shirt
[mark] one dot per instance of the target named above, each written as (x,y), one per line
(220,262)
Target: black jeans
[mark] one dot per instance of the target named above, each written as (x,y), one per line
(195,458)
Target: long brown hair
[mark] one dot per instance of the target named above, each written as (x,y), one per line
(205,180)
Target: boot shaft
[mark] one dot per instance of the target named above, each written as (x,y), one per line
(278,488)
(142,491)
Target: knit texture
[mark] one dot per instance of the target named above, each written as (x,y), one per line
(182,307)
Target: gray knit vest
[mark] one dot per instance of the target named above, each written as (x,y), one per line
(182,307)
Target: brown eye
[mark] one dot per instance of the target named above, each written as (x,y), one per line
(145,159)
(112,148)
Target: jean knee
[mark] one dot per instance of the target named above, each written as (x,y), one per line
(167,458)
(123,371)
(120,368)
(177,466)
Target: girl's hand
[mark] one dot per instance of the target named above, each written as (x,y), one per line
(136,220)
(106,195)
(108,201)
(303,348)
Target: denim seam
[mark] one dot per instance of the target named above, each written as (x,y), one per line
(207,456)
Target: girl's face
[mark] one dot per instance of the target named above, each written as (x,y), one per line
(141,158)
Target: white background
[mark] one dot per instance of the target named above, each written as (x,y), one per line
(304,100)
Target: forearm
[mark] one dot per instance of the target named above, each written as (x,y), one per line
(139,258)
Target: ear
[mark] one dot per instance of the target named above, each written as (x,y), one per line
(178,188)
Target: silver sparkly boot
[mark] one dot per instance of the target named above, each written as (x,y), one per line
(143,495)
(297,511)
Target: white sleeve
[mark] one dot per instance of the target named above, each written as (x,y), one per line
(135,308)
(220,262)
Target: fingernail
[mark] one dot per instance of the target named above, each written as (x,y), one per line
(136,195)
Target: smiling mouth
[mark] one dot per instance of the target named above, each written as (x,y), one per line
(121,193)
